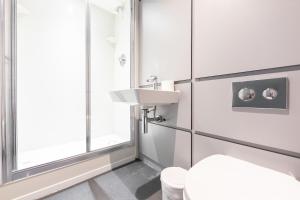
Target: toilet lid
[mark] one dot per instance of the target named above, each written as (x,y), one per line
(221,177)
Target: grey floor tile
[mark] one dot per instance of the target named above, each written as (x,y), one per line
(135,181)
(97,191)
(78,192)
(114,187)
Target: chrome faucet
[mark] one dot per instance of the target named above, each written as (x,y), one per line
(153,80)
(147,110)
(146,119)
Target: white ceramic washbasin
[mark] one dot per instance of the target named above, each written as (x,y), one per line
(138,96)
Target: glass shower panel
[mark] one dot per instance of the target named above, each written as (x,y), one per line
(51,113)
(110,69)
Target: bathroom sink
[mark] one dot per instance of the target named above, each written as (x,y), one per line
(138,96)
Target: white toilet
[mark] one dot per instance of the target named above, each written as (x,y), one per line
(221,177)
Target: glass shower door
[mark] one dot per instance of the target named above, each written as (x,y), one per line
(110,70)
(67,56)
(50,80)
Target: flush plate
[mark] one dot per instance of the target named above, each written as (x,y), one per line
(268,93)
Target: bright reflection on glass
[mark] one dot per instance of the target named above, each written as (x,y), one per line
(50,80)
(51,77)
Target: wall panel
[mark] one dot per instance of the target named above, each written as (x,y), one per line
(204,147)
(165,37)
(178,115)
(165,146)
(214,114)
(242,35)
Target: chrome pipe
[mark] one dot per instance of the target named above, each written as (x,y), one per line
(145,120)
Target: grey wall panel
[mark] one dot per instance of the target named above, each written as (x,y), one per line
(242,35)
(204,147)
(166,146)
(178,115)
(165,39)
(214,114)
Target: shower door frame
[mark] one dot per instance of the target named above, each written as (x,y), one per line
(8,152)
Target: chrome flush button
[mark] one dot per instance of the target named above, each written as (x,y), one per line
(246,94)
(270,94)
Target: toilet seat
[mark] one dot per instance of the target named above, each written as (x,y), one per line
(221,177)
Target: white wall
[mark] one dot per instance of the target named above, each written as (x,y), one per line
(229,37)
(238,36)
(273,128)
(122,29)
(122,74)
(166,147)
(242,35)
(165,51)
(102,71)
(165,32)
(205,146)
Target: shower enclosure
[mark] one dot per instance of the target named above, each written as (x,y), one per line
(64,58)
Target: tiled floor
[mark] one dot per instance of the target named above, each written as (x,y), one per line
(131,182)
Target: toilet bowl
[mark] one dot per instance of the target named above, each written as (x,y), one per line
(220,177)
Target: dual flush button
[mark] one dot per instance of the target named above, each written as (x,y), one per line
(248,94)
(266,93)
